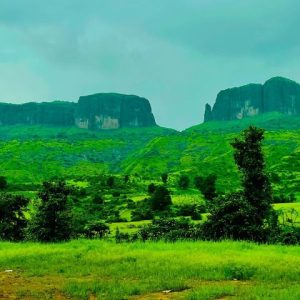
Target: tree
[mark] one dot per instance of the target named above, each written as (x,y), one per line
(184,182)
(12,219)
(207,186)
(3,183)
(161,198)
(52,221)
(164,178)
(247,214)
(249,158)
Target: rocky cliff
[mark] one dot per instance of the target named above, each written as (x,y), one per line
(107,111)
(99,111)
(277,94)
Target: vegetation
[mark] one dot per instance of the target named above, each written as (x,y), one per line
(52,221)
(12,219)
(247,214)
(183,182)
(86,269)
(114,186)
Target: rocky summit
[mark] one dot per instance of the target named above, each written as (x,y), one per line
(278,94)
(98,111)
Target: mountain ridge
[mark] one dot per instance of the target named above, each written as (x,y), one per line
(277,94)
(97,112)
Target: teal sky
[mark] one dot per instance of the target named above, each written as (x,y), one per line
(177,53)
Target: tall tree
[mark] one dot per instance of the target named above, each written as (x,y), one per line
(249,158)
(247,214)
(53,220)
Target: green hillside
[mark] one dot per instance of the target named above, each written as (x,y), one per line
(205,149)
(30,154)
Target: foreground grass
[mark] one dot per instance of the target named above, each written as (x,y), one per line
(86,269)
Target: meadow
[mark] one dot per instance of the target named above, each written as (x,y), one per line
(93,269)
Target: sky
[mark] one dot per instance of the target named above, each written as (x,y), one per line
(177,53)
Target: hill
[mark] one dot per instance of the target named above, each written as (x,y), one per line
(30,154)
(205,149)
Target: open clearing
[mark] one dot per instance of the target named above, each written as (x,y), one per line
(85,269)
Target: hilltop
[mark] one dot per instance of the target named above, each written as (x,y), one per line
(277,94)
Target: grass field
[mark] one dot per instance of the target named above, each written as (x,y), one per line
(84,269)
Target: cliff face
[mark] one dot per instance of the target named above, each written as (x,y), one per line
(52,113)
(99,111)
(110,111)
(277,94)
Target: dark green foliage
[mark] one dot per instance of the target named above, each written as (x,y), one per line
(199,182)
(164,177)
(207,186)
(284,198)
(121,237)
(96,229)
(12,219)
(248,214)
(151,188)
(249,158)
(3,183)
(110,181)
(98,199)
(170,230)
(143,211)
(232,217)
(183,182)
(192,210)
(161,198)
(52,221)
(288,236)
(126,178)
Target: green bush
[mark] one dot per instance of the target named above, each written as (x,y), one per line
(96,229)
(12,219)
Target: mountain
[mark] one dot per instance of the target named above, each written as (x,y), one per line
(277,94)
(99,111)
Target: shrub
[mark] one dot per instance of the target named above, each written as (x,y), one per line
(12,219)
(161,198)
(192,210)
(170,230)
(98,199)
(3,183)
(164,177)
(110,181)
(96,229)
(183,182)
(151,188)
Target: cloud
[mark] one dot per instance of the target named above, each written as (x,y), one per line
(178,54)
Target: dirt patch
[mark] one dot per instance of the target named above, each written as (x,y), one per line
(14,286)
(194,284)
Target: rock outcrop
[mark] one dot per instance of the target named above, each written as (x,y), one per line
(277,94)
(111,111)
(99,111)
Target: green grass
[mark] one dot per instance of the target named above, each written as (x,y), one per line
(191,270)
